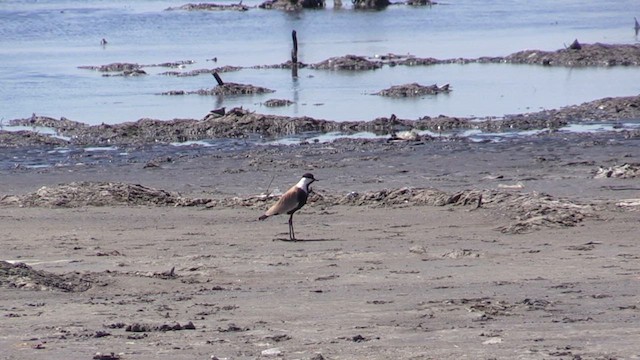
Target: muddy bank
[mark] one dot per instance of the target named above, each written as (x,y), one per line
(597,54)
(572,56)
(241,123)
(581,55)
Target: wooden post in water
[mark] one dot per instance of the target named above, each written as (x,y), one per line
(294,55)
(218,78)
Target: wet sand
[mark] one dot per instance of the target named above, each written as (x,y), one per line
(374,279)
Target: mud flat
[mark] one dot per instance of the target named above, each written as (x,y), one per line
(441,248)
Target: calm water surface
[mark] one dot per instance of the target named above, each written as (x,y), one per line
(44,42)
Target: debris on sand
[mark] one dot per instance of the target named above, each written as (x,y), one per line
(528,211)
(411,135)
(624,171)
(22,276)
(110,356)
(78,194)
(413,89)
(137,327)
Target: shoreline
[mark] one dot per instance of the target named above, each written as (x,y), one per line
(240,123)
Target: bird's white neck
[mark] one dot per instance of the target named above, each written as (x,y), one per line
(304,184)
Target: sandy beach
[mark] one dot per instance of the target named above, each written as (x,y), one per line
(531,255)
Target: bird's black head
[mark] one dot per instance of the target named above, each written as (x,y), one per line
(309,176)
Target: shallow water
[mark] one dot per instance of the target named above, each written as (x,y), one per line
(44,42)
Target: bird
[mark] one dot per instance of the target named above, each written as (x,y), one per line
(291,201)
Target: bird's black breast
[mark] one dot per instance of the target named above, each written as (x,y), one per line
(301,197)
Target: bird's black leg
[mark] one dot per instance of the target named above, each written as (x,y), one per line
(292,235)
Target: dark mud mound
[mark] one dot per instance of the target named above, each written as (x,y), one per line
(113,67)
(413,90)
(347,62)
(221,69)
(209,7)
(581,55)
(285,5)
(123,66)
(226,89)
(277,102)
(574,55)
(234,123)
(370,4)
(22,276)
(78,194)
(131,69)
(607,109)
(292,5)
(61,125)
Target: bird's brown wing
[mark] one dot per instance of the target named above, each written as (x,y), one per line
(287,202)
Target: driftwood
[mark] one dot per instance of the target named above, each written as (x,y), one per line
(294,55)
(218,79)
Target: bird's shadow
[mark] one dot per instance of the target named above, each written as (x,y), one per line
(304,240)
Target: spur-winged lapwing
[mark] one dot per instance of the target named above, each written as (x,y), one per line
(291,201)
